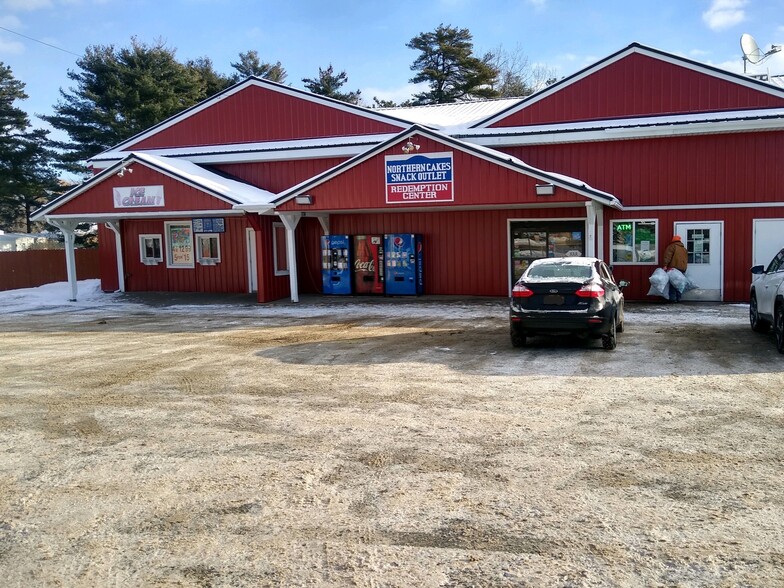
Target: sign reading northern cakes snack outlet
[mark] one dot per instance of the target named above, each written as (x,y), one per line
(138,196)
(420,178)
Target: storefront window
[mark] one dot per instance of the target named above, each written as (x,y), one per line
(537,240)
(208,246)
(634,241)
(150,249)
(179,244)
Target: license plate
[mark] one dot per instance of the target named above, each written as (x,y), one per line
(554,299)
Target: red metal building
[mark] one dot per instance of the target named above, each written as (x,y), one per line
(233,194)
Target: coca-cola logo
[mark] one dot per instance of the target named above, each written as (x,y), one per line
(364,266)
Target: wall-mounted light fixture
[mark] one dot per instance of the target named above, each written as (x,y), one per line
(122,171)
(304,199)
(545,189)
(410,146)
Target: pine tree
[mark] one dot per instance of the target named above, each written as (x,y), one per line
(329,84)
(449,67)
(250,64)
(26,178)
(121,92)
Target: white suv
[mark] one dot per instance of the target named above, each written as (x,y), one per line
(766,302)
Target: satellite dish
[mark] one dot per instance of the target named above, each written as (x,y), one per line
(751,51)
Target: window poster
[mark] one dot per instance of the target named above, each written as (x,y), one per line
(180,237)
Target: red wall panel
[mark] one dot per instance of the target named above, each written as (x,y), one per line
(706,169)
(476,182)
(110,281)
(177,196)
(639,85)
(228,276)
(465,252)
(277,176)
(256,114)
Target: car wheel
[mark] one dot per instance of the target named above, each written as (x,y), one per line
(608,339)
(518,338)
(778,328)
(758,325)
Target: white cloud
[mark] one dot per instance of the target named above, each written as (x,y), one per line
(10,47)
(26,5)
(399,94)
(10,22)
(723,14)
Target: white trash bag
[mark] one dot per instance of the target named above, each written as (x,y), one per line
(680,281)
(660,284)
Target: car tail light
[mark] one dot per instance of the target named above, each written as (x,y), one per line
(520,291)
(590,291)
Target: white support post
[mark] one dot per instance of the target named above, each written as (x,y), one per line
(590,233)
(600,232)
(68,227)
(115,227)
(324,222)
(290,221)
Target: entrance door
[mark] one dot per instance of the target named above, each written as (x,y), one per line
(253,276)
(705,244)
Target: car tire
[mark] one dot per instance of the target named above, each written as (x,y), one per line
(778,327)
(518,338)
(758,325)
(620,327)
(609,341)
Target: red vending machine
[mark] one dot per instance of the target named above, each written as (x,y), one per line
(368,264)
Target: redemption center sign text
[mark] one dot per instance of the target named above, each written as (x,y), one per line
(419,178)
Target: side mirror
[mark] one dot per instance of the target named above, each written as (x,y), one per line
(758,270)
(622,284)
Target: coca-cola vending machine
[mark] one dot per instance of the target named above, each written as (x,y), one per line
(336,264)
(369,264)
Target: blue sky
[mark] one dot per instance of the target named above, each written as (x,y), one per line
(368,38)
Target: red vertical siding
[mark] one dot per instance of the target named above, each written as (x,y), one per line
(700,169)
(277,176)
(177,195)
(110,281)
(228,276)
(465,252)
(477,182)
(255,114)
(737,253)
(271,287)
(640,85)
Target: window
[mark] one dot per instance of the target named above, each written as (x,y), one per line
(698,246)
(150,249)
(634,241)
(536,240)
(208,248)
(279,251)
(179,244)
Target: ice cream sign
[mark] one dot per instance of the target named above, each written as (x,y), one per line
(138,196)
(419,179)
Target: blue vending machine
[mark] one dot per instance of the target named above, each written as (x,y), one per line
(403,265)
(336,264)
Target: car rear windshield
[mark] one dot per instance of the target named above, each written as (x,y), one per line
(560,270)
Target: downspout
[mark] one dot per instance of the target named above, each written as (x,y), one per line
(290,221)
(115,227)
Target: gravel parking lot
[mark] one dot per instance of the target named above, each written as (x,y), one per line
(151,441)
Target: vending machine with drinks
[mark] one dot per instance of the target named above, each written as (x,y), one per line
(368,263)
(403,265)
(336,264)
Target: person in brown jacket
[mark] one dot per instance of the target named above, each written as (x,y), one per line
(675,257)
